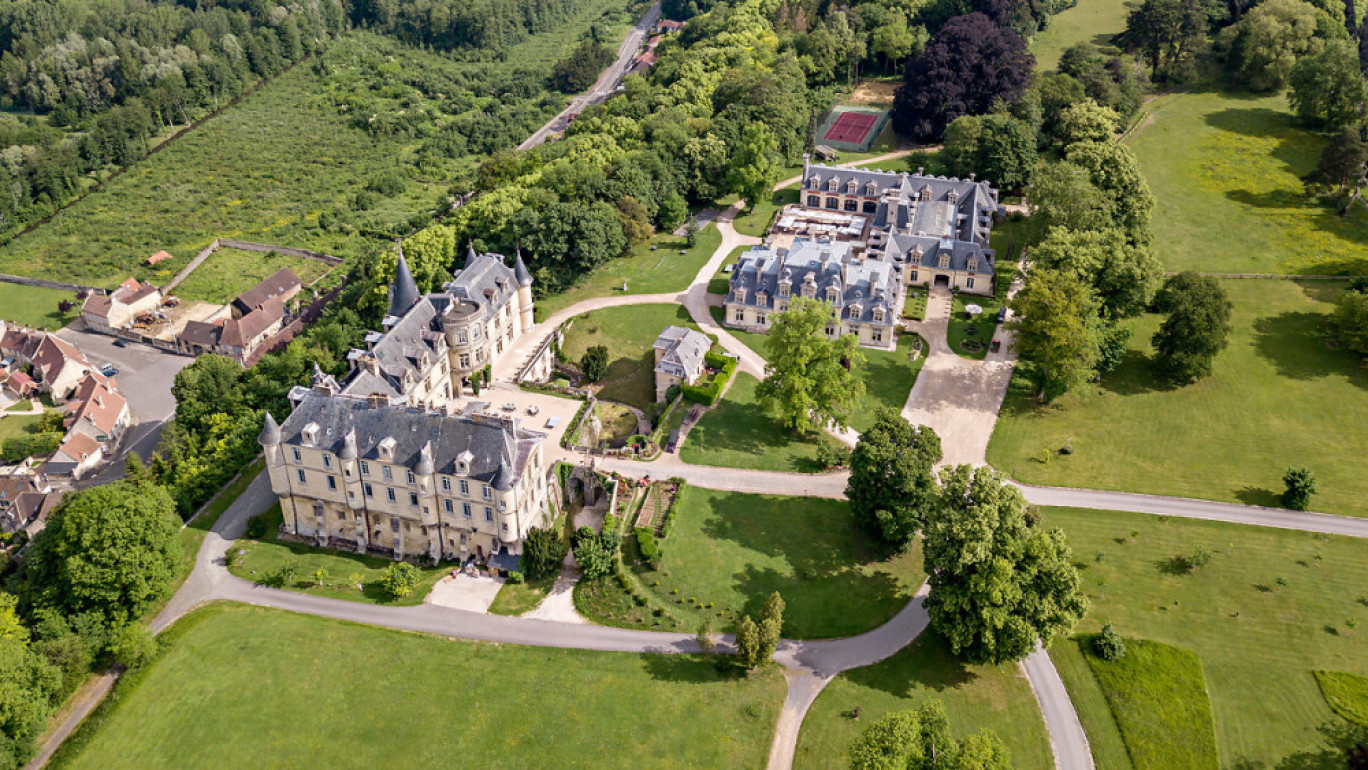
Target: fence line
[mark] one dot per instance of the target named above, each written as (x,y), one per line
(46,284)
(228,243)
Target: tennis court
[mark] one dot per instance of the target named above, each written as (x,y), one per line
(851,127)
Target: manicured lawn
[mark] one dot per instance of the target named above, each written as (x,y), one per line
(1226,172)
(888,377)
(515,599)
(977,331)
(628,332)
(262,560)
(915,306)
(753,340)
(195,529)
(1090,21)
(1259,641)
(739,433)
(721,282)
(229,272)
(248,687)
(756,221)
(643,270)
(997,698)
(17,425)
(726,552)
(1347,694)
(35,306)
(1157,695)
(1279,397)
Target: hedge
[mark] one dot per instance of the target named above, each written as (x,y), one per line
(708,394)
(574,423)
(649,546)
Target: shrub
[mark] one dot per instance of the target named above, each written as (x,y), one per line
(594,363)
(543,552)
(831,454)
(650,547)
(1300,486)
(1108,645)
(399,579)
(515,577)
(17,448)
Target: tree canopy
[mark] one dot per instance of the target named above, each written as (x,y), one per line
(1124,277)
(999,582)
(1196,329)
(1056,328)
(968,67)
(892,487)
(998,148)
(811,380)
(921,738)
(1328,88)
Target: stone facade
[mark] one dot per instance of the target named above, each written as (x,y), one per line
(680,355)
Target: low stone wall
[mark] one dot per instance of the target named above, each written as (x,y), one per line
(46,284)
(228,243)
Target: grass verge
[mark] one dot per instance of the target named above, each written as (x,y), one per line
(629,333)
(644,271)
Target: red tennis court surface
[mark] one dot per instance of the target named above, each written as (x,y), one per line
(851,127)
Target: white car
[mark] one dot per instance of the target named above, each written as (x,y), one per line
(552,422)
(532,410)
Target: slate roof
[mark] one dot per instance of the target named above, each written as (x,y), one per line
(499,449)
(684,352)
(861,285)
(943,207)
(926,251)
(201,333)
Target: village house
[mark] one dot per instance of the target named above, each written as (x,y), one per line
(404,481)
(107,312)
(57,366)
(432,345)
(26,499)
(283,285)
(76,456)
(679,358)
(866,294)
(97,410)
(238,337)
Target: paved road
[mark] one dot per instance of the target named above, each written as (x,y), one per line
(608,80)
(1068,740)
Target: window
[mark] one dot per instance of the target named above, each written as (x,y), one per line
(760,318)
(484,489)
(877,335)
(327,461)
(465,509)
(913,279)
(394,525)
(870,207)
(297,457)
(341,515)
(740,315)
(365,468)
(389,494)
(814,200)
(461,337)
(465,487)
(446,484)
(489,513)
(366,488)
(448,506)
(505,528)
(969,283)
(332,482)
(851,204)
(409,477)
(385,473)
(300,472)
(413,499)
(465,360)
(831,203)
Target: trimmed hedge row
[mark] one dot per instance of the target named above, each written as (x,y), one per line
(574,424)
(708,394)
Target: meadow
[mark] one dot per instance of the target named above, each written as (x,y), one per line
(629,333)
(1270,608)
(229,272)
(36,307)
(1088,21)
(417,701)
(1280,396)
(1222,163)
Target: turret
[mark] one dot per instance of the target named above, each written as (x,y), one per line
(403,293)
(524,277)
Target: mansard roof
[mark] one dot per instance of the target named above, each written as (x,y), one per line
(829,267)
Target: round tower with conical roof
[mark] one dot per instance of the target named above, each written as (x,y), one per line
(524,277)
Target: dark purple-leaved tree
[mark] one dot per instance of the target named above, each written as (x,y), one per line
(970,64)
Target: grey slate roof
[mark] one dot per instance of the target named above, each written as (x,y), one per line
(684,352)
(403,293)
(934,205)
(499,449)
(926,251)
(521,272)
(861,286)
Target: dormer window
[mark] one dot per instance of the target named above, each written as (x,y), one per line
(463,466)
(833,185)
(925,193)
(785,287)
(809,290)
(761,298)
(833,295)
(850,186)
(814,181)
(386,448)
(872,188)
(740,293)
(878,314)
(310,434)
(944,260)
(973,264)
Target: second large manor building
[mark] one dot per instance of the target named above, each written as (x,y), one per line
(859,239)
(383,462)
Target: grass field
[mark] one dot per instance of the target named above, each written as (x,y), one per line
(739,433)
(628,332)
(1272,607)
(517,598)
(1219,164)
(720,283)
(35,306)
(982,325)
(1090,21)
(229,272)
(248,687)
(261,171)
(263,559)
(727,552)
(1157,695)
(1279,397)
(15,425)
(757,221)
(1346,694)
(975,698)
(643,270)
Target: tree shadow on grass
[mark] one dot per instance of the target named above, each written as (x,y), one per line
(1296,344)
(692,669)
(1260,122)
(927,664)
(1136,375)
(1257,496)
(745,427)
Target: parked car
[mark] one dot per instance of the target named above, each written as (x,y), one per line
(121,343)
(109,370)
(674,441)
(552,422)
(1002,315)
(532,410)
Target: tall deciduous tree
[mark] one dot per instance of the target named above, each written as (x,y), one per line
(753,172)
(1171,34)
(1114,170)
(999,582)
(1328,88)
(892,487)
(1062,195)
(28,685)
(1349,322)
(111,550)
(1197,327)
(969,66)
(1123,276)
(922,739)
(811,380)
(1056,328)
(1266,43)
(998,148)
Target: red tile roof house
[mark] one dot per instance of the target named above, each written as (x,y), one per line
(98,411)
(59,367)
(234,337)
(76,456)
(106,312)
